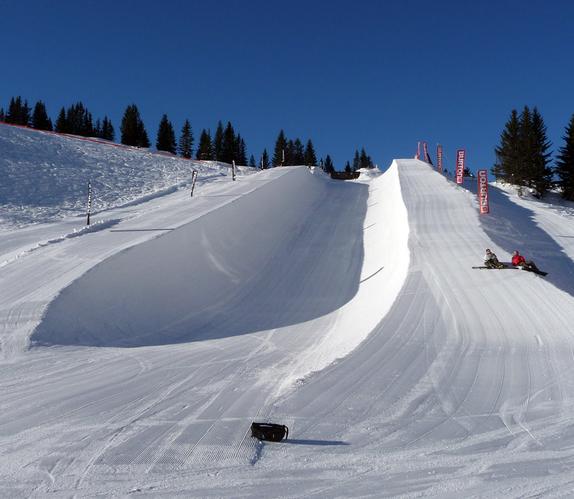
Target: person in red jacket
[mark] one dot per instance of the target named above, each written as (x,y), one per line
(519,261)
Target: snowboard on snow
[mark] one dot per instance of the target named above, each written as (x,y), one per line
(539,272)
(495,268)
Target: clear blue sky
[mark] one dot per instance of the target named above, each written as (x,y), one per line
(378,74)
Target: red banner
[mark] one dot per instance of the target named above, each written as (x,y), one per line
(439,158)
(418,156)
(483,191)
(426,152)
(460,156)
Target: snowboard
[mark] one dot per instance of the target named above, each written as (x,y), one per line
(490,268)
(540,272)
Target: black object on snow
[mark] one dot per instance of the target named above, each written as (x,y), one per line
(495,268)
(539,272)
(269,431)
(345,175)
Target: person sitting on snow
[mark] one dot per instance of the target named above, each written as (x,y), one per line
(491,261)
(519,261)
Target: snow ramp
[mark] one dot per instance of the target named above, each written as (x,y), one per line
(296,249)
(465,388)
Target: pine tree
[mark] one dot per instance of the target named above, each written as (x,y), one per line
(540,177)
(522,157)
(228,144)
(204,150)
(18,112)
(13,113)
(279,151)
(143,137)
(217,143)
(79,120)
(132,128)
(166,136)
(507,162)
(239,150)
(2,114)
(252,163)
(73,119)
(87,125)
(129,126)
(186,141)
(265,160)
(329,166)
(242,158)
(525,149)
(565,163)
(9,116)
(98,129)
(107,131)
(289,153)
(310,156)
(25,115)
(298,153)
(62,122)
(348,168)
(356,161)
(363,159)
(40,119)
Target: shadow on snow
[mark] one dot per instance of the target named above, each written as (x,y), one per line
(223,275)
(513,227)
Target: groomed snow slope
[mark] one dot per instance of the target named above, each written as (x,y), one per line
(465,389)
(228,273)
(448,381)
(245,291)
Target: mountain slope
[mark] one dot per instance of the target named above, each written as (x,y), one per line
(464,386)
(45,175)
(231,298)
(348,311)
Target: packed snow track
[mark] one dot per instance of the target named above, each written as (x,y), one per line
(347,310)
(154,361)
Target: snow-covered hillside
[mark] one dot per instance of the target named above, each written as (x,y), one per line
(45,176)
(135,357)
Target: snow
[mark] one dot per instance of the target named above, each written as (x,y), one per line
(135,353)
(51,180)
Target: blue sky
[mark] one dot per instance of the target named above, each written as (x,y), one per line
(378,74)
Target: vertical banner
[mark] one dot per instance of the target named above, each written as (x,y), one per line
(426,153)
(483,191)
(460,156)
(439,158)
(418,156)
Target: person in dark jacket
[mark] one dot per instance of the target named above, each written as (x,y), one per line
(491,261)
